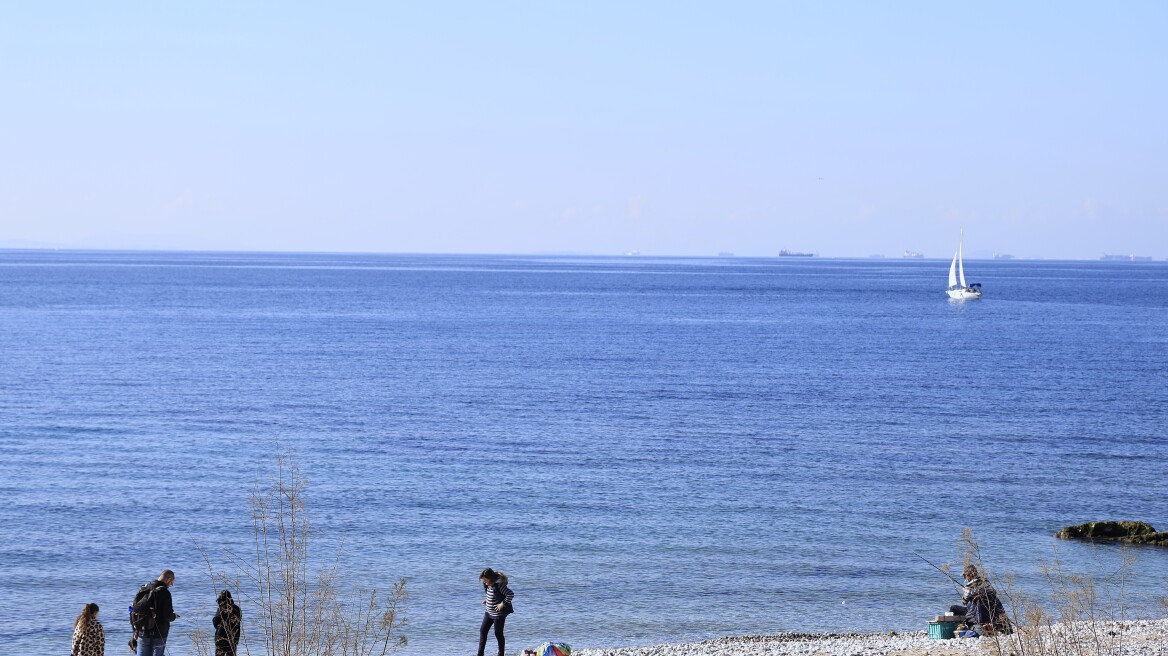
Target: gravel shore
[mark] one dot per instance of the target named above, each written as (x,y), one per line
(1136,638)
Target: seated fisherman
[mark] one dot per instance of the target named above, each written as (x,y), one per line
(982,608)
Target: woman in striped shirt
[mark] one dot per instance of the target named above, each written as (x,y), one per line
(498,604)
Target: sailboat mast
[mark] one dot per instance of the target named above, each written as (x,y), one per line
(961,267)
(961,257)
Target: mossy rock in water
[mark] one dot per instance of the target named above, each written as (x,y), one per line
(1154,539)
(1130,532)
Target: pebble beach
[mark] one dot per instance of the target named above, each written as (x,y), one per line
(1134,638)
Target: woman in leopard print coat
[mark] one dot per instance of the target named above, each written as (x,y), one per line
(88,636)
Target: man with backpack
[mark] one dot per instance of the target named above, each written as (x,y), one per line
(152,613)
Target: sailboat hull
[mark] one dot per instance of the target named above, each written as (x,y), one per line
(963,294)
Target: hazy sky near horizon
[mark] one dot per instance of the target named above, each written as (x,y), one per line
(672,128)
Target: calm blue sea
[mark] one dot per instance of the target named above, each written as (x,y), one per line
(653,449)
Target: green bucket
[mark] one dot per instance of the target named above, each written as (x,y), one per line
(942,630)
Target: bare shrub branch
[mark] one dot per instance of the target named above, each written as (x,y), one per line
(1068,620)
(297,605)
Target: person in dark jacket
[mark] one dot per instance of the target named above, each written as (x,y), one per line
(228,622)
(152,642)
(982,608)
(498,607)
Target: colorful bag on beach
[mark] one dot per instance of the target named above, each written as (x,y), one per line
(553,649)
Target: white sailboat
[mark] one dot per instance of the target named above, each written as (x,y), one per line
(958,289)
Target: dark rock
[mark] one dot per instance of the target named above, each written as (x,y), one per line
(1129,532)
(1155,539)
(1113,530)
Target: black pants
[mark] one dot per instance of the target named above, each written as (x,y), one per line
(486,628)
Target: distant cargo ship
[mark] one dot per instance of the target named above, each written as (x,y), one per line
(1003,256)
(912,254)
(1129,258)
(787,253)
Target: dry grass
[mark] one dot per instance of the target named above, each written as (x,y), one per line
(293,604)
(1070,616)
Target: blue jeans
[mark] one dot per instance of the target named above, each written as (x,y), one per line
(148,646)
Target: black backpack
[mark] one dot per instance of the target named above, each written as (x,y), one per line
(144,612)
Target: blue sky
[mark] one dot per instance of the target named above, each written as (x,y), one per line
(672,128)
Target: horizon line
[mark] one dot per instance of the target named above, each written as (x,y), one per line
(632,255)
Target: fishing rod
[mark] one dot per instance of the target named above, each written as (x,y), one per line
(959,584)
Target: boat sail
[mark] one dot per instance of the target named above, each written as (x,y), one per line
(958,289)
